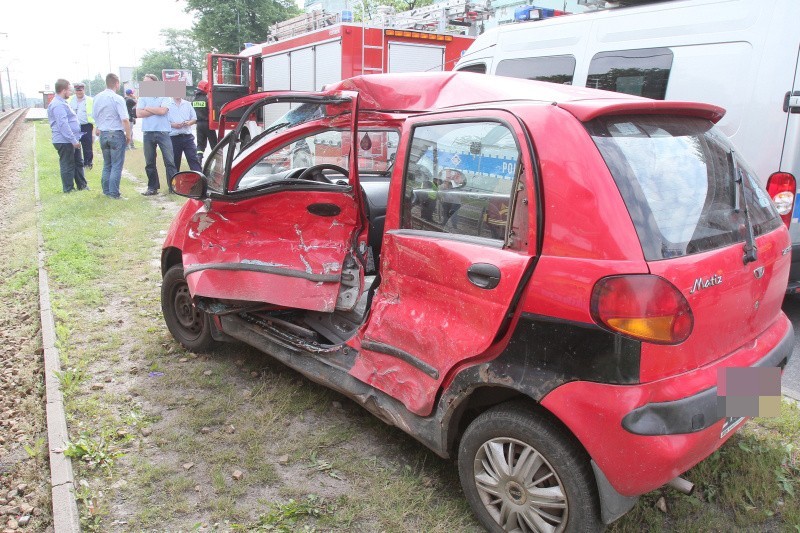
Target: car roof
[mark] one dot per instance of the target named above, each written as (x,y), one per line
(421,92)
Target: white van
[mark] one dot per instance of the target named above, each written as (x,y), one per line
(743,55)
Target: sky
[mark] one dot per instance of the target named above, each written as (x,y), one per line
(66,40)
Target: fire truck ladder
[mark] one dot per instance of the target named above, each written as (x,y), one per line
(304,23)
(378,48)
(439,16)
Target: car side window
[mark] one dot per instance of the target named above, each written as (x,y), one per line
(459,179)
(332,147)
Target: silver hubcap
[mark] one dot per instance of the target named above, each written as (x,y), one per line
(519,487)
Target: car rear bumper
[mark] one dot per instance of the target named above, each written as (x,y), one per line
(642,436)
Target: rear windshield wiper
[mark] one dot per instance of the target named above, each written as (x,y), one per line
(750,248)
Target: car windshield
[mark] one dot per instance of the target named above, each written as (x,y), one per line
(675,176)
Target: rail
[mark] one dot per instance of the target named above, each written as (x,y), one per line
(8,121)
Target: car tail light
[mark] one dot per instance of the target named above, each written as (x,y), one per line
(781,188)
(644,307)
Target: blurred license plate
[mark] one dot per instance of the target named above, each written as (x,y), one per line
(730,423)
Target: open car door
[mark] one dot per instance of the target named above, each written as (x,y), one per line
(230,77)
(283,224)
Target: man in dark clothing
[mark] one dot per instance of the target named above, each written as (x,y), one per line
(204,133)
(130,103)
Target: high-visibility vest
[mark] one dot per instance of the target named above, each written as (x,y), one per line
(89,107)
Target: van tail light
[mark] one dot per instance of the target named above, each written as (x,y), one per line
(781,188)
(644,307)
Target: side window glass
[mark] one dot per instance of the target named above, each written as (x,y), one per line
(555,69)
(375,156)
(459,179)
(638,72)
(231,71)
(479,68)
(215,167)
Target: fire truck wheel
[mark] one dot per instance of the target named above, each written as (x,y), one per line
(189,325)
(521,472)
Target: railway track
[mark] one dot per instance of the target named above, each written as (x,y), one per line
(8,121)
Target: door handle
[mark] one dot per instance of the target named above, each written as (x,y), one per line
(484,275)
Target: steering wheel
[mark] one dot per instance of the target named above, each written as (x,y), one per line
(316,171)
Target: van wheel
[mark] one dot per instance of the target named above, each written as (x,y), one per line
(189,325)
(522,473)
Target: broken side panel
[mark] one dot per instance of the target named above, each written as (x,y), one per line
(276,249)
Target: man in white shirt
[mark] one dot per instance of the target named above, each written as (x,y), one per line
(82,105)
(111,120)
(182,117)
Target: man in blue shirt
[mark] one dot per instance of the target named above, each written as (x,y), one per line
(155,127)
(182,117)
(66,138)
(111,120)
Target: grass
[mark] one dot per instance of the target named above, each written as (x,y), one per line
(146,409)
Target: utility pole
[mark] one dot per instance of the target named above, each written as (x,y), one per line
(2,98)
(108,40)
(10,94)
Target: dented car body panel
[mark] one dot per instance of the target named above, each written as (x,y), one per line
(242,251)
(439,248)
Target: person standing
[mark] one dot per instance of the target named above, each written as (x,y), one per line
(130,102)
(82,106)
(111,117)
(182,117)
(156,128)
(204,133)
(66,138)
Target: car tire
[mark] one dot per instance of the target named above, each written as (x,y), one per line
(504,500)
(190,326)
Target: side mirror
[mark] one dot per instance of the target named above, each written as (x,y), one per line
(189,183)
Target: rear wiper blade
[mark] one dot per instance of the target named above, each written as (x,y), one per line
(750,248)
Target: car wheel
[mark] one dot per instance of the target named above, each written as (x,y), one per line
(189,325)
(522,473)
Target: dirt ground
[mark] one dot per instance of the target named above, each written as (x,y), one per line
(24,473)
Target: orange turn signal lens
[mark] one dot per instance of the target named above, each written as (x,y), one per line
(644,307)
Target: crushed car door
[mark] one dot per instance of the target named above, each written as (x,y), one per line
(455,252)
(282,224)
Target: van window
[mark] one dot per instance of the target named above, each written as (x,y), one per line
(555,69)
(459,179)
(479,68)
(675,176)
(638,72)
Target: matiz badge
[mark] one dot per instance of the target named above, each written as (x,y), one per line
(710,281)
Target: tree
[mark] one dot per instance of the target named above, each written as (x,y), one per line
(94,86)
(371,6)
(225,26)
(181,52)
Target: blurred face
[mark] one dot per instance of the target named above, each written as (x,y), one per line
(79,91)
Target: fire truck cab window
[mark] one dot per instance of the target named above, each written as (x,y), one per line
(459,179)
(638,72)
(232,72)
(555,69)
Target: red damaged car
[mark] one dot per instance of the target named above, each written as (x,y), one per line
(540,280)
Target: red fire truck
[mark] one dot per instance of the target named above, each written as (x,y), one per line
(316,49)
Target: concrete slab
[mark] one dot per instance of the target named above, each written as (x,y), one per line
(65,507)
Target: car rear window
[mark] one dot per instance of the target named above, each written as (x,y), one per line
(676,178)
